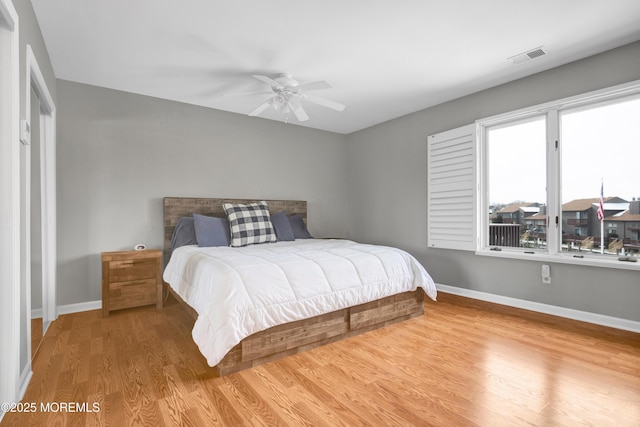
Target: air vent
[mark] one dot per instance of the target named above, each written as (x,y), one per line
(528,55)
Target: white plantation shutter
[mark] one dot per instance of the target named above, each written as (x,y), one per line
(451,189)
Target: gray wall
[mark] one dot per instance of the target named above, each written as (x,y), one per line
(119,154)
(30,34)
(387,192)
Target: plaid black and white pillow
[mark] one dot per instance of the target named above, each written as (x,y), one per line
(250,223)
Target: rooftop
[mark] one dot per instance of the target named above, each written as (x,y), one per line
(514,207)
(579,205)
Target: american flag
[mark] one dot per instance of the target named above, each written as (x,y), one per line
(601,205)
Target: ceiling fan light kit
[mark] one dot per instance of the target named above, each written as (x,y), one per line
(289,95)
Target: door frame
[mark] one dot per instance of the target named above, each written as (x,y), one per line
(10,205)
(47,142)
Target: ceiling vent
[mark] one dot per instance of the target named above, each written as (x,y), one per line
(528,55)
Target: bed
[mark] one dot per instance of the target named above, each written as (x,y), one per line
(304,294)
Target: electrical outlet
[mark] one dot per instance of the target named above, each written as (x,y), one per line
(546,274)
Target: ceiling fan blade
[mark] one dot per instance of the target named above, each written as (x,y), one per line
(301,115)
(262,92)
(267,80)
(315,86)
(325,102)
(261,108)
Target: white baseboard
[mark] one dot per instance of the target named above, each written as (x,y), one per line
(82,306)
(584,316)
(25,378)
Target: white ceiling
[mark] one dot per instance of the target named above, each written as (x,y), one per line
(384,59)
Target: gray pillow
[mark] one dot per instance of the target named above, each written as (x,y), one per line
(280,222)
(299,227)
(211,231)
(184,234)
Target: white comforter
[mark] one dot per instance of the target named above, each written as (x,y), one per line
(240,291)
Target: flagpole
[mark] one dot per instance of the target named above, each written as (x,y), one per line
(601,215)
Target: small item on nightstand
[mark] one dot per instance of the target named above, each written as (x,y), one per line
(140,247)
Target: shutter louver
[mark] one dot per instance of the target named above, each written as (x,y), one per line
(451,189)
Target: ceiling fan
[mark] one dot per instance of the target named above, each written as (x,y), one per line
(289,95)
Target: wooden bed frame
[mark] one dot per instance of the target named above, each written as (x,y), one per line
(291,338)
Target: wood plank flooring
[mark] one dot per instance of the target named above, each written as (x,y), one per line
(464,363)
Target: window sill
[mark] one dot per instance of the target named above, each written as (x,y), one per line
(587,260)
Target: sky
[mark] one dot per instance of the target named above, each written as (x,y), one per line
(598,145)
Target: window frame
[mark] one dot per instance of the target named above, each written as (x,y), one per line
(483,168)
(552,110)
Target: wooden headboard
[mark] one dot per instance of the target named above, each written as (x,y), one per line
(176,207)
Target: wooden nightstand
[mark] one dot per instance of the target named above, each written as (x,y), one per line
(131,279)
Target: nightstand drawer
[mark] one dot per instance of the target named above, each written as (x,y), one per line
(132,269)
(132,293)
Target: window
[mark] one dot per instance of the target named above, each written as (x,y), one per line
(538,177)
(516,161)
(543,171)
(600,151)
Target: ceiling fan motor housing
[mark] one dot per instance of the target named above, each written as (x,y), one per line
(287,80)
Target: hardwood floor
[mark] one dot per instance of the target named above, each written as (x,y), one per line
(464,363)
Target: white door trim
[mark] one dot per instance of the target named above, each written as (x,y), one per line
(9,205)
